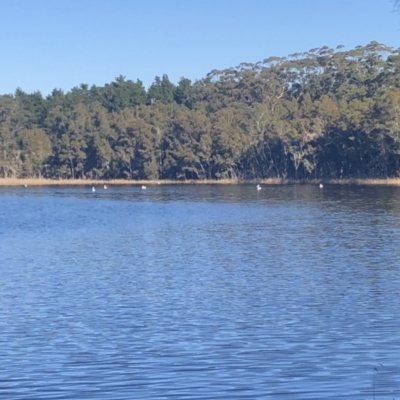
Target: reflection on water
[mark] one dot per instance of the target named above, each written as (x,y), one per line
(200,292)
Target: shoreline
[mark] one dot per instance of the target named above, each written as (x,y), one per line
(13,182)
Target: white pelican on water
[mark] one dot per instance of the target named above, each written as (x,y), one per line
(143,187)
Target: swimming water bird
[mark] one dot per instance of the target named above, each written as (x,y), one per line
(258,187)
(93,189)
(105,187)
(143,187)
(321,185)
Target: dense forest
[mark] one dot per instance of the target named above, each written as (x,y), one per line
(325,113)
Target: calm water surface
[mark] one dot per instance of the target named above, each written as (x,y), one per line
(200,292)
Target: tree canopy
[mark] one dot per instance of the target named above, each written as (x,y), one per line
(324,113)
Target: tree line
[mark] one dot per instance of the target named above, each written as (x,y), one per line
(324,113)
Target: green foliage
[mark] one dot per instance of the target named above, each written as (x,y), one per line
(36,149)
(322,113)
(183,93)
(121,94)
(162,90)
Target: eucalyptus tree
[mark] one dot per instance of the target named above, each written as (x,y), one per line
(10,161)
(134,155)
(183,93)
(190,143)
(321,113)
(36,149)
(161,90)
(122,93)
(100,138)
(231,141)
(32,108)
(11,124)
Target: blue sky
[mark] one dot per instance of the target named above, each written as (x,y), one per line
(47,44)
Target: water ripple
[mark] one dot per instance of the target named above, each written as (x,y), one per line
(200,292)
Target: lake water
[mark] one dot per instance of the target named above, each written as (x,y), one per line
(200,292)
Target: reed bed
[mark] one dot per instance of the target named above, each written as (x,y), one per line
(94,182)
(353,181)
(387,181)
(271,181)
